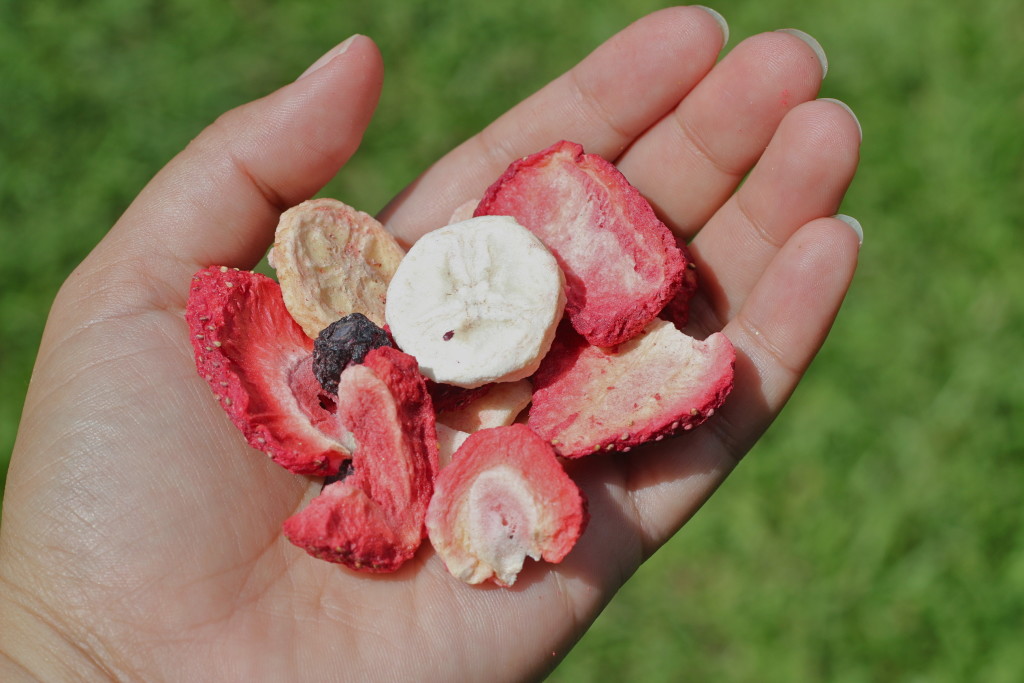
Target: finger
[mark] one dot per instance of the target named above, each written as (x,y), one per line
(219,200)
(603,103)
(689,163)
(803,175)
(777,333)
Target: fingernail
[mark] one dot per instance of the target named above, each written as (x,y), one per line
(328,56)
(722,23)
(853,223)
(845,106)
(814,45)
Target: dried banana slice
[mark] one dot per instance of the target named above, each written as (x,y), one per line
(476,302)
(333,260)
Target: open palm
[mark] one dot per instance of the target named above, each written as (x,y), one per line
(142,536)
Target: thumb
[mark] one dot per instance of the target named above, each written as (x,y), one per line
(219,200)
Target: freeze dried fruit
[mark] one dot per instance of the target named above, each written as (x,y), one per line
(476,302)
(464,211)
(678,309)
(504,497)
(620,261)
(589,399)
(499,406)
(475,307)
(373,519)
(342,343)
(259,364)
(332,260)
(448,441)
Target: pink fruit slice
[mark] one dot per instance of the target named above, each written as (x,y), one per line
(258,362)
(504,497)
(588,399)
(373,519)
(678,309)
(621,263)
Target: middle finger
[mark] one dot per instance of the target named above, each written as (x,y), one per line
(689,163)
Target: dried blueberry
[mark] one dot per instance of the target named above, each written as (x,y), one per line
(343,343)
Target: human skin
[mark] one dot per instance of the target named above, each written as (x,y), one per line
(141,536)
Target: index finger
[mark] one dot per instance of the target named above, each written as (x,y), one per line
(604,103)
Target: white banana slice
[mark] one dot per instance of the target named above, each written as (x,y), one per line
(477,301)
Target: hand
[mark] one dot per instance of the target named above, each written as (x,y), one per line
(141,535)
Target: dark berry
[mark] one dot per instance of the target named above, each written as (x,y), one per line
(342,343)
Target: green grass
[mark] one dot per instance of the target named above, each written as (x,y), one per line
(876,533)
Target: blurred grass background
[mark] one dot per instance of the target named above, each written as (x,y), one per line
(875,534)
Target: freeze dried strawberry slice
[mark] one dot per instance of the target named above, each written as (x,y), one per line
(258,362)
(504,496)
(373,519)
(621,263)
(678,309)
(588,399)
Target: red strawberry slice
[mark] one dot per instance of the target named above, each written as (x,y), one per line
(621,263)
(589,399)
(678,309)
(373,519)
(503,497)
(258,362)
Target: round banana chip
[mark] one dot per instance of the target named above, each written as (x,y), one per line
(333,260)
(477,301)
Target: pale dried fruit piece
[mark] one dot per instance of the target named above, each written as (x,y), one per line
(342,343)
(678,309)
(476,302)
(332,260)
(497,407)
(504,497)
(621,263)
(464,211)
(373,519)
(259,364)
(588,399)
(448,441)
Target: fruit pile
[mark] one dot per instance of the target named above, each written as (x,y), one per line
(404,378)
